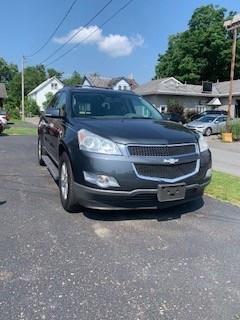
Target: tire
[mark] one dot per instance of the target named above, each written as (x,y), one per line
(41,153)
(208,132)
(66,185)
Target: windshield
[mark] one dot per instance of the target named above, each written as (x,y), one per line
(206,119)
(104,105)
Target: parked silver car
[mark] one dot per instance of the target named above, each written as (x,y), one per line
(208,124)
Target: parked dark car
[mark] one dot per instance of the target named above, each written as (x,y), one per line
(176,117)
(111,150)
(208,112)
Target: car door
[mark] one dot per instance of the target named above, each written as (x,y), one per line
(219,123)
(54,123)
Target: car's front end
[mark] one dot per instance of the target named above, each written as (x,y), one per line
(169,166)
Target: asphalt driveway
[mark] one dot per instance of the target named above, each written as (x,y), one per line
(181,263)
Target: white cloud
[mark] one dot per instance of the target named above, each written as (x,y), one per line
(88,35)
(114,45)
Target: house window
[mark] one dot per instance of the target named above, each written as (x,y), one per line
(124,87)
(163,108)
(54,86)
(119,88)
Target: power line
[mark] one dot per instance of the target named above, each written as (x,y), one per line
(33,54)
(77,31)
(92,32)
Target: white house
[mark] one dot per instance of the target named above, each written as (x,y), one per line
(39,93)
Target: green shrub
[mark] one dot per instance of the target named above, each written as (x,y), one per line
(31,107)
(14,114)
(175,107)
(189,113)
(235,129)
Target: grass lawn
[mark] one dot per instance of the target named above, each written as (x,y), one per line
(19,131)
(19,127)
(225,187)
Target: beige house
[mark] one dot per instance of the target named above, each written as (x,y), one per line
(196,97)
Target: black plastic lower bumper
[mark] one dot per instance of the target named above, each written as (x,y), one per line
(136,199)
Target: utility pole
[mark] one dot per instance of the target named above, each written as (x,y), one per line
(233,24)
(23,109)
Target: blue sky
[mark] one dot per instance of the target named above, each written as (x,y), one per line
(128,43)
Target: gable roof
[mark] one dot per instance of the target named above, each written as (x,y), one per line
(161,86)
(107,82)
(45,83)
(3,91)
(223,87)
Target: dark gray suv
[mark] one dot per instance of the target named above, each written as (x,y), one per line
(112,150)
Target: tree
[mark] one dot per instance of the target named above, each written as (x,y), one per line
(31,107)
(75,80)
(203,52)
(7,71)
(54,73)
(175,107)
(48,97)
(33,76)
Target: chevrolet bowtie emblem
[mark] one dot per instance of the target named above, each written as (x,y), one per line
(171,161)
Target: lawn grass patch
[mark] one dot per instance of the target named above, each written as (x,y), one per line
(11,130)
(225,187)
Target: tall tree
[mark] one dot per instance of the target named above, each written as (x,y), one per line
(7,71)
(54,73)
(203,52)
(74,80)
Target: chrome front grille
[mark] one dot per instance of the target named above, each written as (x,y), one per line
(165,171)
(161,151)
(169,163)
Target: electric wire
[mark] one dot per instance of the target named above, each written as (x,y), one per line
(33,54)
(77,32)
(91,33)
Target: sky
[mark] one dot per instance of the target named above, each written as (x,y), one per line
(112,38)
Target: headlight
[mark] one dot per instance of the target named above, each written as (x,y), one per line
(203,146)
(89,141)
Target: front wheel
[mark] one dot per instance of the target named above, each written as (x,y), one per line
(40,153)
(208,132)
(66,185)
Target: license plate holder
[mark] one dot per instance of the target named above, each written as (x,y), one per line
(171,192)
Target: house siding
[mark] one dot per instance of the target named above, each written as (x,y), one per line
(49,86)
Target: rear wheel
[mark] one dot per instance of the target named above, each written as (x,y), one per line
(208,132)
(41,152)
(66,185)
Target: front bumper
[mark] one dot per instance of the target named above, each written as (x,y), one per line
(135,199)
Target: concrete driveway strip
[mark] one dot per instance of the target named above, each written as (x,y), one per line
(226,156)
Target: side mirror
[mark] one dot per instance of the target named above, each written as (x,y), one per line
(55,113)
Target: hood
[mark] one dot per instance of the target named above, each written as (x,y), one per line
(143,131)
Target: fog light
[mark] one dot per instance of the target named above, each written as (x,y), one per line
(208,173)
(100,180)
